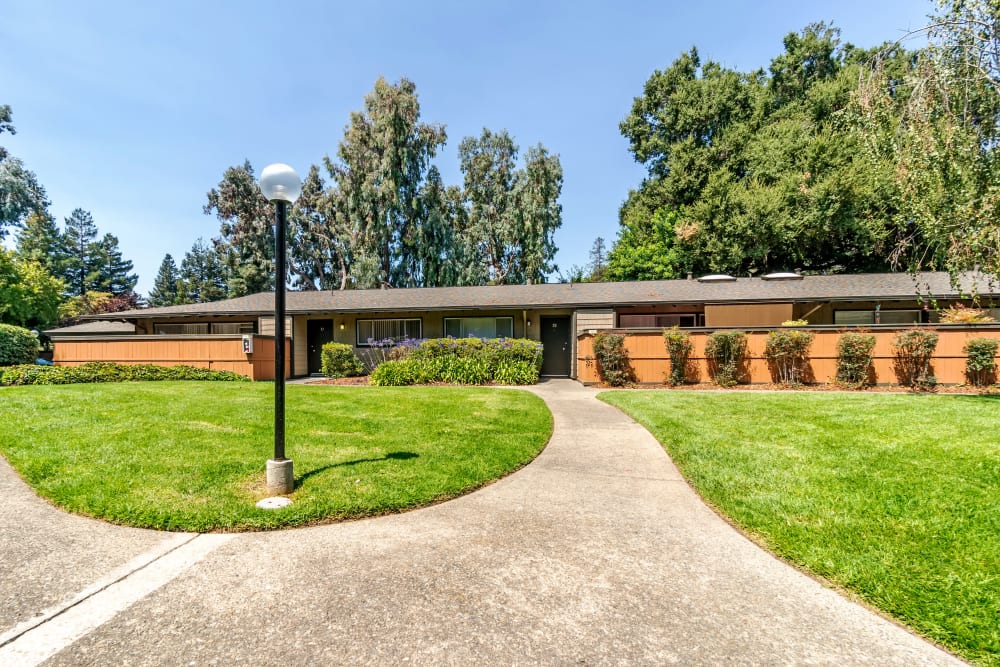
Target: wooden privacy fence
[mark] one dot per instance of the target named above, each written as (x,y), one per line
(219,353)
(651,363)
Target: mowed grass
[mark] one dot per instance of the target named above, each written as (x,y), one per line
(190,455)
(893,497)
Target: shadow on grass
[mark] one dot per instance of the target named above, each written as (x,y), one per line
(391,456)
(979,397)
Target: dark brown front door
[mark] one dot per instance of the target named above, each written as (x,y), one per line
(555,345)
(318,332)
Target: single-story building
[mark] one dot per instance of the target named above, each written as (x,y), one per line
(557,314)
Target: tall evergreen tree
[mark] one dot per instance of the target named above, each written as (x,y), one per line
(203,276)
(40,240)
(512,213)
(82,268)
(246,244)
(166,290)
(598,260)
(114,271)
(318,237)
(382,166)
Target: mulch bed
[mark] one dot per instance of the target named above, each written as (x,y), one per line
(347,382)
(878,389)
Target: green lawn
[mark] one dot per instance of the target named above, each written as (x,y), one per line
(190,455)
(894,497)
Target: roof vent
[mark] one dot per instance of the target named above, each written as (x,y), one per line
(782,275)
(717,278)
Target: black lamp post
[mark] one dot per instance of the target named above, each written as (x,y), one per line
(280,184)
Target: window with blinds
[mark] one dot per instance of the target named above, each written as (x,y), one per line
(376,331)
(862,317)
(202,328)
(479,327)
(659,320)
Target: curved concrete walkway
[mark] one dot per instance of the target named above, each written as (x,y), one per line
(596,553)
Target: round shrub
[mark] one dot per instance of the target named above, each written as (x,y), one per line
(17,346)
(854,359)
(395,373)
(340,361)
(980,362)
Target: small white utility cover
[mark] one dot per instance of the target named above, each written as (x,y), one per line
(274,503)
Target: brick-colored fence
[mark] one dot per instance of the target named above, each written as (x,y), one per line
(648,354)
(219,353)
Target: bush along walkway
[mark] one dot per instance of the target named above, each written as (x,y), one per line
(596,552)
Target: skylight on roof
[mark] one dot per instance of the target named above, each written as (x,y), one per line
(782,275)
(716,278)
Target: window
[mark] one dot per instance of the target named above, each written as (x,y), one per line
(863,317)
(181,329)
(232,327)
(202,328)
(379,330)
(670,320)
(479,327)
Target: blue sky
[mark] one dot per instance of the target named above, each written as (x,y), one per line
(134,110)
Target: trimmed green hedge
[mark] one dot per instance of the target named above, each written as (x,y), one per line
(464,361)
(17,345)
(104,371)
(340,361)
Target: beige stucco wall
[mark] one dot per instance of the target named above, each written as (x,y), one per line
(432,324)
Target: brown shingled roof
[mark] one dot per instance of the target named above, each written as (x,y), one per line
(96,327)
(843,287)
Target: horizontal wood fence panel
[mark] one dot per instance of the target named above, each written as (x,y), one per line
(222,354)
(650,361)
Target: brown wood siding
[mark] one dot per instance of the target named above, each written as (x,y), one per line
(747,314)
(220,354)
(603,318)
(648,355)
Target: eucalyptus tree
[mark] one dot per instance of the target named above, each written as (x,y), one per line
(381,167)
(507,232)
(245,244)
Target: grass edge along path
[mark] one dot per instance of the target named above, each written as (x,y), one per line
(895,498)
(186,456)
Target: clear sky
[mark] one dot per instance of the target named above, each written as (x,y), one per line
(133,110)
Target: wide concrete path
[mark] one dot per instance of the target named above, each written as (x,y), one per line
(596,553)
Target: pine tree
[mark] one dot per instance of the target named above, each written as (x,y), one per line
(113,271)
(81,270)
(40,240)
(203,277)
(166,290)
(598,260)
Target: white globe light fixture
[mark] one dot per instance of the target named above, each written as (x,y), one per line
(280,184)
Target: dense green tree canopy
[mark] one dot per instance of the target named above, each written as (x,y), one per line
(246,244)
(750,172)
(20,192)
(387,219)
(935,129)
(29,295)
(203,275)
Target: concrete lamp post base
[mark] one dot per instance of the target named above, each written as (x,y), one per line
(280,479)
